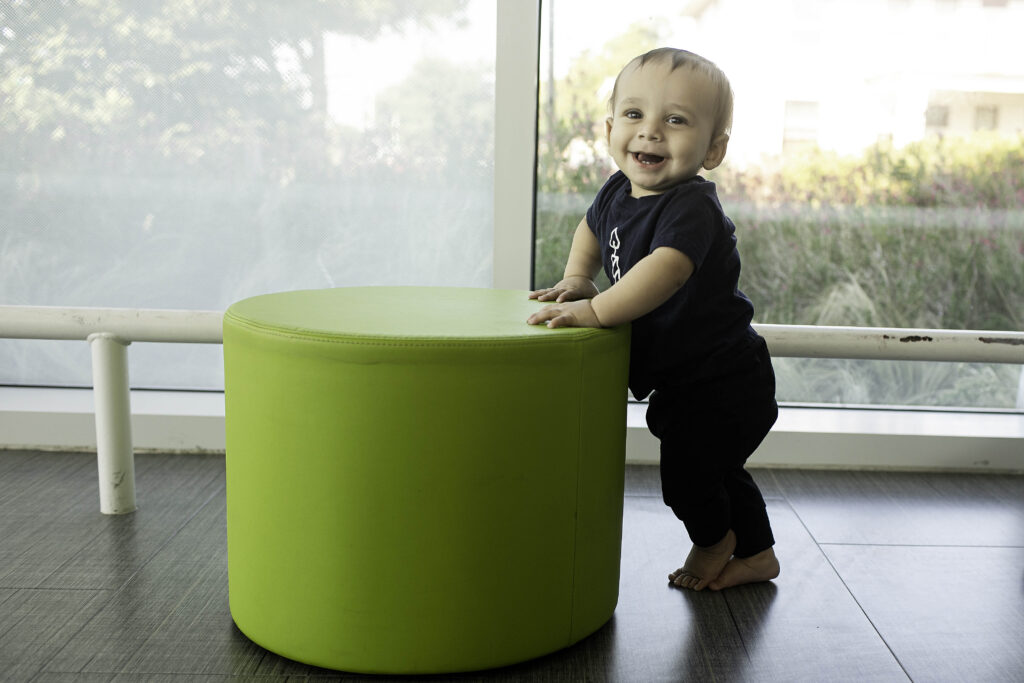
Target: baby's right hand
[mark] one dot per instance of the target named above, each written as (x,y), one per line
(569,289)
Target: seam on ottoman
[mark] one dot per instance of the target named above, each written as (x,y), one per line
(442,342)
(581,391)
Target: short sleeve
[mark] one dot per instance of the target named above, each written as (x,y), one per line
(688,222)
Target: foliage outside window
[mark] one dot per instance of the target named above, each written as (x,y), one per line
(189,154)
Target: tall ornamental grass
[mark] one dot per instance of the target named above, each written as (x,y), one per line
(929,235)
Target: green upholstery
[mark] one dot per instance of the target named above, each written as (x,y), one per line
(417,480)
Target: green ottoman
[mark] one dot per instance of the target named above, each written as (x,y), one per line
(417,480)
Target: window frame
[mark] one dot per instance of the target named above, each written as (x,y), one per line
(515,141)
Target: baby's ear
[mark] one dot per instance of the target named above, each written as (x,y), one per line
(608,130)
(716,152)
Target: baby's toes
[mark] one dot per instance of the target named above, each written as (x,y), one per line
(684,579)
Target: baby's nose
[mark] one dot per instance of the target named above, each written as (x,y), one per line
(650,132)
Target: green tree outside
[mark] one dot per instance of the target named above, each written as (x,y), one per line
(187,145)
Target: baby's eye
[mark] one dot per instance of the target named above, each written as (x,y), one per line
(677,120)
(633,114)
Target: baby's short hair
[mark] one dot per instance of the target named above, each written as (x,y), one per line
(703,66)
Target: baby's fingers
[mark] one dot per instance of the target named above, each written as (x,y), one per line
(569,295)
(543,315)
(550,294)
(562,320)
(536,318)
(554,316)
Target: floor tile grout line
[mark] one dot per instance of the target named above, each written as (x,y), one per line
(736,626)
(842,580)
(170,538)
(71,557)
(219,490)
(861,608)
(80,493)
(41,666)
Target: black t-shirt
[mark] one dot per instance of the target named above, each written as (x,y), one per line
(694,335)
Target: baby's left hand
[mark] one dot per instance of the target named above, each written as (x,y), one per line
(568,314)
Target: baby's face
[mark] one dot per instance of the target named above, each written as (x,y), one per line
(660,131)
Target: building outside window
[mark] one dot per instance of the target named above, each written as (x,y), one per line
(986,118)
(936,117)
(800,126)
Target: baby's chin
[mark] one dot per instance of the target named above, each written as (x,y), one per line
(642,188)
(638,190)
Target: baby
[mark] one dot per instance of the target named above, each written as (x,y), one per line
(669,250)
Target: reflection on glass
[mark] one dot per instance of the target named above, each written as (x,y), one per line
(870,186)
(187,155)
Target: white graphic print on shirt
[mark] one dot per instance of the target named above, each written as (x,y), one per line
(614,243)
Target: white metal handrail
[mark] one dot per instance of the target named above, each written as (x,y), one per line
(881,343)
(800,341)
(109,331)
(129,324)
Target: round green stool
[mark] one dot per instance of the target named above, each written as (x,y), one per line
(417,480)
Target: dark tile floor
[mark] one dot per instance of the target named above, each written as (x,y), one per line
(886,577)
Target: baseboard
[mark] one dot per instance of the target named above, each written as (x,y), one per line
(809,437)
(52,419)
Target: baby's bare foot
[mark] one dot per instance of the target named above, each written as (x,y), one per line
(763,566)
(704,564)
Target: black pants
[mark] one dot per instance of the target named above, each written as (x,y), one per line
(708,429)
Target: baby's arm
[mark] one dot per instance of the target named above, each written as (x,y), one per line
(583,264)
(646,286)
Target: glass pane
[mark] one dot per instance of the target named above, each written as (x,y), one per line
(187,155)
(877,187)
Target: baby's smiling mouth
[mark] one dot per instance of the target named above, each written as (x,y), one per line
(647,159)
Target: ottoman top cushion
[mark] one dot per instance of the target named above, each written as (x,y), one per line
(400,313)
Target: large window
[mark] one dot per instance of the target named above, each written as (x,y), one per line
(187,155)
(874,172)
